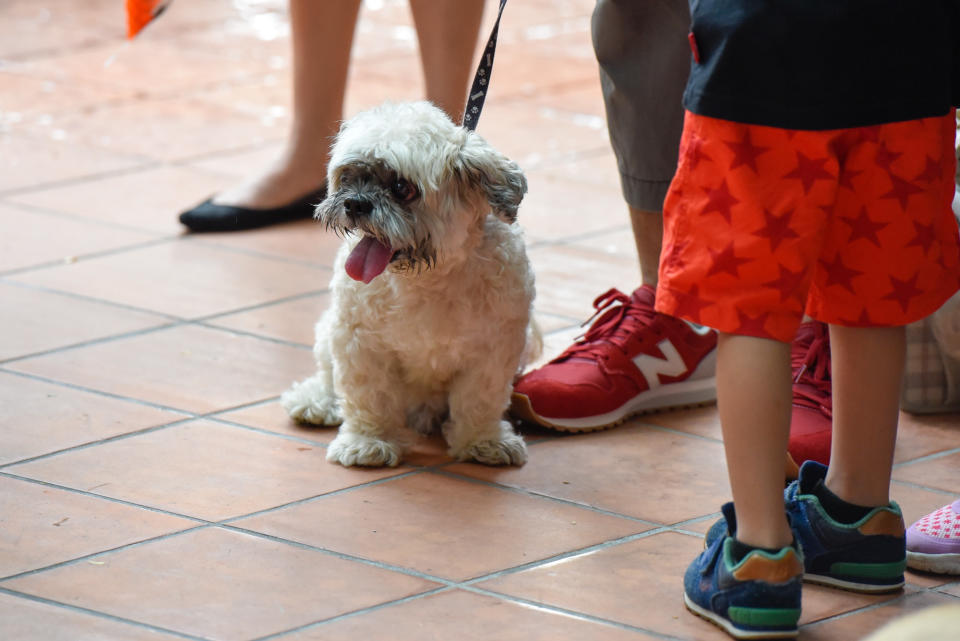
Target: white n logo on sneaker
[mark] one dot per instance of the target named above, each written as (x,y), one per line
(652,367)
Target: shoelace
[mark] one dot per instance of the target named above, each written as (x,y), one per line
(617,317)
(812,367)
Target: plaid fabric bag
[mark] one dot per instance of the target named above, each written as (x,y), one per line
(931,381)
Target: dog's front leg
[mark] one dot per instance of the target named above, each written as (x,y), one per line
(476,430)
(374,416)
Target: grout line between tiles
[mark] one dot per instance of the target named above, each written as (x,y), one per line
(91,342)
(355,613)
(95,222)
(572,613)
(99,614)
(93,555)
(928,457)
(533,493)
(342,555)
(89,299)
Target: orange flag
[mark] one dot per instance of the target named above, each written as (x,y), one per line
(140,13)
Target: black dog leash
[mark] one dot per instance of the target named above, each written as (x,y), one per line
(481,80)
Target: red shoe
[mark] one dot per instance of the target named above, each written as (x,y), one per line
(812,421)
(631,361)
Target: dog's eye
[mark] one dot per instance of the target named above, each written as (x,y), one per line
(404,190)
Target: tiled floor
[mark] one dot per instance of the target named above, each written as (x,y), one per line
(151,487)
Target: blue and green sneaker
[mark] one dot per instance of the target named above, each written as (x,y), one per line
(867,555)
(755,598)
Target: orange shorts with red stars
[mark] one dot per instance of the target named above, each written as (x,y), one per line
(850,226)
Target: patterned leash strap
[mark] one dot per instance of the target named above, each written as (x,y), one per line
(481,81)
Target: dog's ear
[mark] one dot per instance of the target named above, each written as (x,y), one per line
(497,176)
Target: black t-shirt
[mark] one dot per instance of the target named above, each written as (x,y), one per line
(823,64)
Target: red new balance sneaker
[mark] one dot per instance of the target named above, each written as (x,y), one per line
(811,424)
(631,361)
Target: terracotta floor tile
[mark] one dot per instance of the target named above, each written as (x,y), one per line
(22,618)
(619,583)
(442,526)
(638,471)
(31,238)
(149,200)
(942,473)
(27,161)
(30,99)
(36,29)
(953,590)
(860,624)
(150,68)
(595,169)
(435,617)
(38,418)
(920,435)
(202,469)
(820,602)
(238,163)
(567,278)
(42,526)
(536,137)
(290,321)
(221,585)
(272,417)
(182,279)
(192,368)
(168,129)
(555,209)
(34,321)
(302,240)
(699,421)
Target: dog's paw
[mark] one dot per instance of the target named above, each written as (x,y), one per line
(355,449)
(509,449)
(310,401)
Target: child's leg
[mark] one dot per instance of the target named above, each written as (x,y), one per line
(867,370)
(754,400)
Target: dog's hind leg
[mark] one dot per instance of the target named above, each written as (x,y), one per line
(314,400)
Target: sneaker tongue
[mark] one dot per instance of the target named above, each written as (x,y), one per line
(644,296)
(368,259)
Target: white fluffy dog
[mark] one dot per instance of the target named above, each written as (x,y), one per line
(430,319)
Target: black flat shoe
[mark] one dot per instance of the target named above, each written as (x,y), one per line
(209,216)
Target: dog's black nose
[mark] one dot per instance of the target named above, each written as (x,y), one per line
(357,206)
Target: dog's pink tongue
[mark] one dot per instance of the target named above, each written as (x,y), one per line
(368,259)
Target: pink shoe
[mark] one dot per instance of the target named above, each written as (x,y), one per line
(933,542)
(631,361)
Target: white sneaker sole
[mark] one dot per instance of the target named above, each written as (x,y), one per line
(699,389)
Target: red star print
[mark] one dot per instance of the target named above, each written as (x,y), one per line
(689,306)
(695,154)
(720,200)
(863,227)
(846,178)
(902,190)
(745,152)
(777,229)
(839,274)
(932,171)
(903,291)
(753,326)
(726,261)
(787,284)
(809,170)
(885,157)
(862,321)
(925,238)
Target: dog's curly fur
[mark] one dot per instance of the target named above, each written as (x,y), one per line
(435,339)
